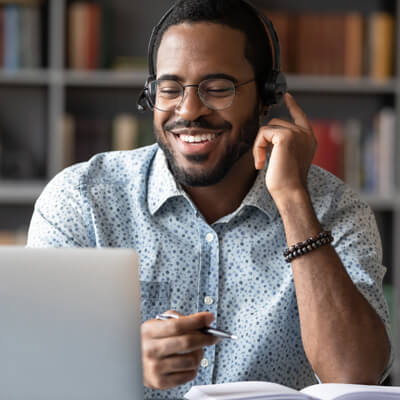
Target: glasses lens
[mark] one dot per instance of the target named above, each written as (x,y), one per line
(167,94)
(217,94)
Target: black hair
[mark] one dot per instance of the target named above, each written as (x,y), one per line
(234,14)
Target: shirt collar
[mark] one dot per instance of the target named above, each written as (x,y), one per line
(259,196)
(162,186)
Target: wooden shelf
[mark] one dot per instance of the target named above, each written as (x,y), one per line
(382,202)
(339,84)
(136,78)
(39,77)
(120,79)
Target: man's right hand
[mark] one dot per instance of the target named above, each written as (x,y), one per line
(172,349)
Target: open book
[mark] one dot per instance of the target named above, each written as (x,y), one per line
(269,391)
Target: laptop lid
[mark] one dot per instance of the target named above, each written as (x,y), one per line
(70,324)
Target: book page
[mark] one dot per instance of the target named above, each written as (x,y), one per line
(340,391)
(244,391)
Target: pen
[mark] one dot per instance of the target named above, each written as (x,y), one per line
(211,331)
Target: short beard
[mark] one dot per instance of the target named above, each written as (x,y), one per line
(191,177)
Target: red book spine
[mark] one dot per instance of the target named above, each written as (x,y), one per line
(93,39)
(1,36)
(330,150)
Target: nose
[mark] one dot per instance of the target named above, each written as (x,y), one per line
(191,106)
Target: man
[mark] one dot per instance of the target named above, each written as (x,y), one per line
(210,216)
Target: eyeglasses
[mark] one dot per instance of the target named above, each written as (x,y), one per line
(216,94)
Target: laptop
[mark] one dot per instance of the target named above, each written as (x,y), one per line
(69,324)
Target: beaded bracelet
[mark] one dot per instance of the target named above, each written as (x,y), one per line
(307,246)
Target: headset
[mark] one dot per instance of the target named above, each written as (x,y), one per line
(274,89)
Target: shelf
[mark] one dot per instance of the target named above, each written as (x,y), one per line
(39,77)
(382,202)
(135,79)
(20,192)
(125,79)
(339,84)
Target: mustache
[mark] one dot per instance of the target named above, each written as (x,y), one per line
(200,123)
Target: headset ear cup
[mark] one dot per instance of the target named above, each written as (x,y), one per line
(141,102)
(145,100)
(280,87)
(275,89)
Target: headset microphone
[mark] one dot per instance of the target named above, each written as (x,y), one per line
(273,91)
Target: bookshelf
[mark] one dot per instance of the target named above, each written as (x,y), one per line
(33,102)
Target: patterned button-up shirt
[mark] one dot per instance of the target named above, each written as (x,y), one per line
(233,268)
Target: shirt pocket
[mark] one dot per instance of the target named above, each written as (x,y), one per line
(155,298)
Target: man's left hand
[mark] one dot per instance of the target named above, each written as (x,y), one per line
(292,147)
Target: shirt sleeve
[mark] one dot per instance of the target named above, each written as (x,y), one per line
(358,244)
(61,217)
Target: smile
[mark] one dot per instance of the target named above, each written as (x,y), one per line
(198,138)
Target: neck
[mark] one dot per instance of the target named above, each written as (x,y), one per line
(221,199)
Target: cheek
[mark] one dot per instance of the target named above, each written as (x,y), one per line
(244,107)
(159,119)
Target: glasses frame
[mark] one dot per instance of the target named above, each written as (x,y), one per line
(152,93)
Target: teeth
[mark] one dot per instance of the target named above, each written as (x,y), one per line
(198,138)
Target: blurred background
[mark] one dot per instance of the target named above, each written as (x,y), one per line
(70,74)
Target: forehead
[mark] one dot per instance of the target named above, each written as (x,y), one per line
(192,50)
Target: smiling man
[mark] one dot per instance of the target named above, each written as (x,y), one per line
(211,209)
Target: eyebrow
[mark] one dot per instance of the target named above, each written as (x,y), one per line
(173,77)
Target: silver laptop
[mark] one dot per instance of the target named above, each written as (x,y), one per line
(69,324)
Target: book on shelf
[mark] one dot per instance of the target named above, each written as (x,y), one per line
(342,44)
(20,36)
(381,35)
(1,37)
(83,137)
(353,54)
(92,136)
(67,140)
(330,150)
(125,132)
(360,153)
(352,153)
(16,161)
(267,390)
(11,37)
(13,238)
(88,36)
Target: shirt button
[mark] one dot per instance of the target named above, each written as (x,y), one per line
(208,300)
(209,237)
(204,363)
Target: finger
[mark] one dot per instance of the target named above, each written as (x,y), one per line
(175,379)
(266,137)
(281,123)
(180,363)
(179,326)
(164,347)
(298,115)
